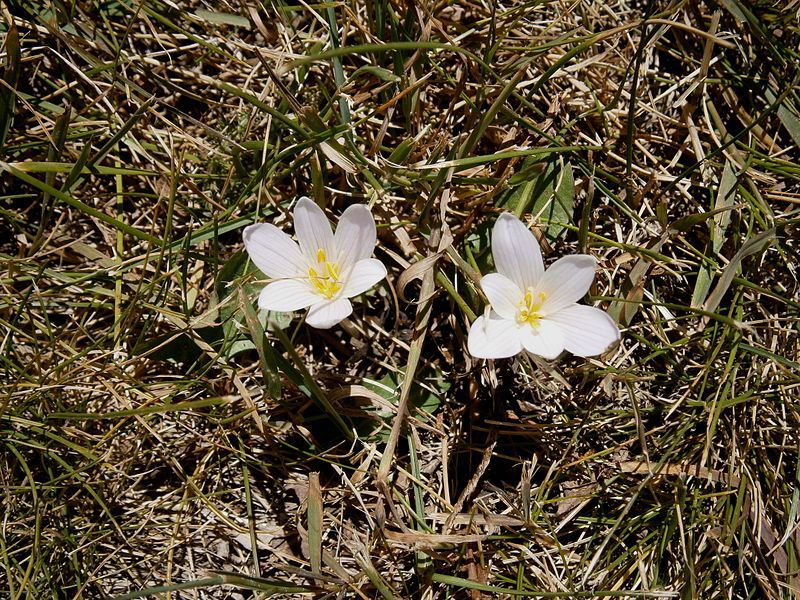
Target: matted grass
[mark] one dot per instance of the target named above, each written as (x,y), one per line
(155,441)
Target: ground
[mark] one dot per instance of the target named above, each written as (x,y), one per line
(160,436)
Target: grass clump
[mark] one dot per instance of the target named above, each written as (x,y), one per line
(160,437)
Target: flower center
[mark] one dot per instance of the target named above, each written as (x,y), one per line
(529,308)
(325,277)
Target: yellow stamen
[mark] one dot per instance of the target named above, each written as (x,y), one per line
(327,284)
(530,309)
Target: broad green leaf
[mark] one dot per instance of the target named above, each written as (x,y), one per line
(562,204)
(314,511)
(266,353)
(787,116)
(726,194)
(222,18)
(426,395)
(522,197)
(400,153)
(379,72)
(549,196)
(754,245)
(722,217)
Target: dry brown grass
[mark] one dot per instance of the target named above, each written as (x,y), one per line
(148,447)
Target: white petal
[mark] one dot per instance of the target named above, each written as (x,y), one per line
(313,230)
(328,313)
(355,235)
(272,251)
(365,274)
(516,252)
(494,337)
(566,281)
(504,295)
(588,331)
(546,340)
(287,295)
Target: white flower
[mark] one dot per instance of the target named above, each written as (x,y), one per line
(324,270)
(534,309)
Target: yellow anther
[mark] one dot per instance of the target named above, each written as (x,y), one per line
(332,270)
(328,283)
(530,308)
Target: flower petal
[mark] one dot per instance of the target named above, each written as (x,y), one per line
(566,281)
(516,252)
(287,295)
(328,313)
(313,230)
(546,340)
(365,274)
(272,251)
(588,331)
(494,337)
(355,235)
(504,295)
